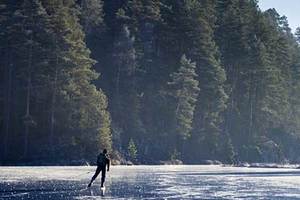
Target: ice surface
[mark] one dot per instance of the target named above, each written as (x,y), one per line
(150,182)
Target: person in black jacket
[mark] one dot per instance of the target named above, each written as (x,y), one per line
(102,162)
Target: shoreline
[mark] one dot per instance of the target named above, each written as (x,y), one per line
(241,165)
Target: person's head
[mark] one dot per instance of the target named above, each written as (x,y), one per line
(104,151)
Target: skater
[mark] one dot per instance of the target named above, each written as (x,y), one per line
(102,162)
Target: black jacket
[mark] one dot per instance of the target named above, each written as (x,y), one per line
(103,160)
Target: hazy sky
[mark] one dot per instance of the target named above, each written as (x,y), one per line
(289,8)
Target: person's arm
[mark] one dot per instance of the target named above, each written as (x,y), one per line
(108,164)
(97,161)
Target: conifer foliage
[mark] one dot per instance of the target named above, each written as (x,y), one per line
(148,80)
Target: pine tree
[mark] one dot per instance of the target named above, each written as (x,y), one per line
(29,23)
(277,76)
(6,79)
(125,99)
(259,89)
(132,150)
(91,15)
(81,107)
(184,90)
(144,18)
(198,42)
(233,17)
(297,34)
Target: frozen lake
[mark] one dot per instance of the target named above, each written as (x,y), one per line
(150,182)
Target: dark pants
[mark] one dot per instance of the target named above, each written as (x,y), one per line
(98,170)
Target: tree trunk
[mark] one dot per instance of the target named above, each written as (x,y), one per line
(27,116)
(52,119)
(117,96)
(250,104)
(7,105)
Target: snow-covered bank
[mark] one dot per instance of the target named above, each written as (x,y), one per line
(267,165)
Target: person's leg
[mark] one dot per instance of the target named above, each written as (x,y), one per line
(98,170)
(103,176)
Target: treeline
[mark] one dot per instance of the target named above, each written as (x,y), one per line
(148,79)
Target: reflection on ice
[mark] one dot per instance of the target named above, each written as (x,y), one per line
(150,182)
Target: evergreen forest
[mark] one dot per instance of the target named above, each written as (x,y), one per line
(150,80)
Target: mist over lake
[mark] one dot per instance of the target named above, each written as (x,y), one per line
(150,182)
